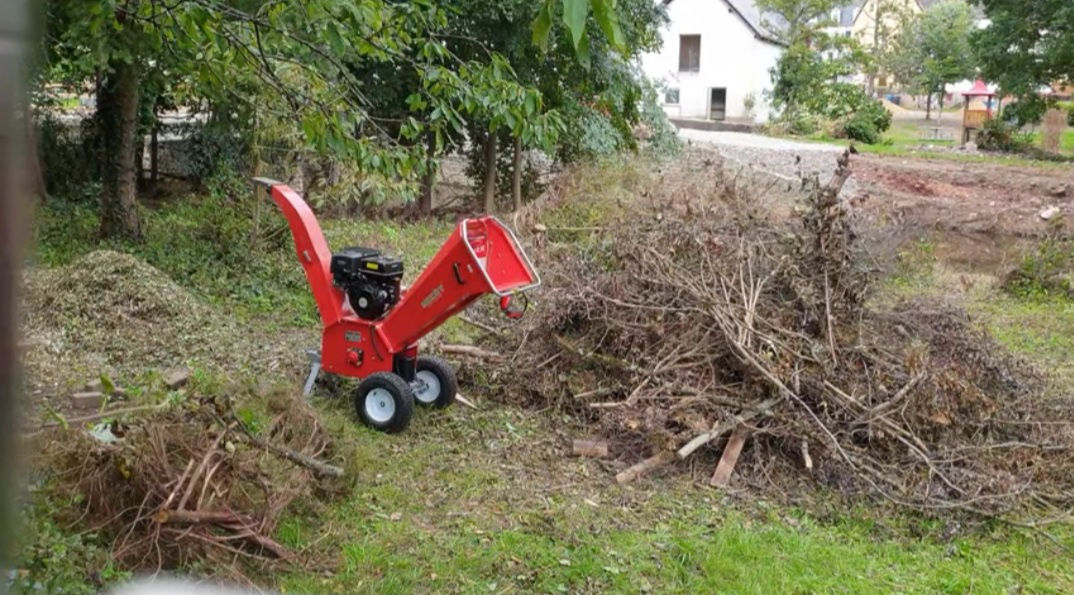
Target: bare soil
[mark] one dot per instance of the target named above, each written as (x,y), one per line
(998,201)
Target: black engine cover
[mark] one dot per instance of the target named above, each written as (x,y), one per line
(370,280)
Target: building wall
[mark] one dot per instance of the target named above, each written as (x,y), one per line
(731,58)
(865,25)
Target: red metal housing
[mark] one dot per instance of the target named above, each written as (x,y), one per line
(481,256)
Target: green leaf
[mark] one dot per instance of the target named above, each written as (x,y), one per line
(604,11)
(583,52)
(334,38)
(574,14)
(107,385)
(542,25)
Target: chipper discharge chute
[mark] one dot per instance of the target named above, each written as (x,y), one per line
(371,324)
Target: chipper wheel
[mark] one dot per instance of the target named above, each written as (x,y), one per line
(385,402)
(434,383)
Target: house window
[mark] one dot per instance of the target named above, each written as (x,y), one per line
(671,96)
(689,53)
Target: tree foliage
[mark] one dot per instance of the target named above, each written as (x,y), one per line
(384,86)
(933,49)
(797,20)
(1029,44)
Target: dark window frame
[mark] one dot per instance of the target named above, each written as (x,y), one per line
(690,53)
(667,96)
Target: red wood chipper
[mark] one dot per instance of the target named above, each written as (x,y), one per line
(372,324)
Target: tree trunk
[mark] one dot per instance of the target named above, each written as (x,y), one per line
(118,107)
(928,106)
(33,157)
(154,154)
(941,105)
(428,181)
(489,202)
(516,176)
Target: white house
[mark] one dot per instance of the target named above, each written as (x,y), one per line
(715,61)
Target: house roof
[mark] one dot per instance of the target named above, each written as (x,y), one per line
(761,24)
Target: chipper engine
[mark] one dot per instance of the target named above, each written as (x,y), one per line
(371,323)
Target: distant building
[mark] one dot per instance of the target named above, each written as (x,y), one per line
(716,60)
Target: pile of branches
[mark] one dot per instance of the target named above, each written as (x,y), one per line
(708,321)
(193,483)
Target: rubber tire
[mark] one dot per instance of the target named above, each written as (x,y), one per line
(402,394)
(449,384)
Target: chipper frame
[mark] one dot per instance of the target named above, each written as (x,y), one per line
(371,325)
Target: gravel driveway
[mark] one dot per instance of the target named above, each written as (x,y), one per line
(785,158)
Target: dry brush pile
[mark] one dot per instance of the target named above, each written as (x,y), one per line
(192,482)
(174,476)
(699,315)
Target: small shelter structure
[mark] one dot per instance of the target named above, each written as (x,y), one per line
(976,113)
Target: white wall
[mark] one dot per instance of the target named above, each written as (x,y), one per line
(731,58)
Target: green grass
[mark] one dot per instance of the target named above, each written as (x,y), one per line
(1066,141)
(486,502)
(1040,329)
(903,139)
(490,501)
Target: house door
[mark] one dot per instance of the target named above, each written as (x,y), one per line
(718,104)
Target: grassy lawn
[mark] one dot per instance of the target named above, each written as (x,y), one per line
(905,139)
(490,501)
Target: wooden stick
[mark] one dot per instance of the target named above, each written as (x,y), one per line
(196,516)
(663,458)
(596,449)
(465,401)
(101,415)
(319,467)
(471,351)
(481,325)
(721,429)
(722,476)
(658,460)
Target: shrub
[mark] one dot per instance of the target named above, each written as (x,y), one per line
(861,128)
(1045,272)
(802,123)
(1000,135)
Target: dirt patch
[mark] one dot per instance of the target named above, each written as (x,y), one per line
(968,197)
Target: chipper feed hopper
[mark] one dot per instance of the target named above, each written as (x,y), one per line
(371,323)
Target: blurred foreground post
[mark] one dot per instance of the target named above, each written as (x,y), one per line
(13,27)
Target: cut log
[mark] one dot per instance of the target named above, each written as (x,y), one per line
(722,476)
(594,449)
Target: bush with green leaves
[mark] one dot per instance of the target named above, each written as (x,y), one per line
(54,559)
(998,134)
(809,90)
(663,139)
(868,122)
(1046,272)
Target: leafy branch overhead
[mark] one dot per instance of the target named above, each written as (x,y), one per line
(575,17)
